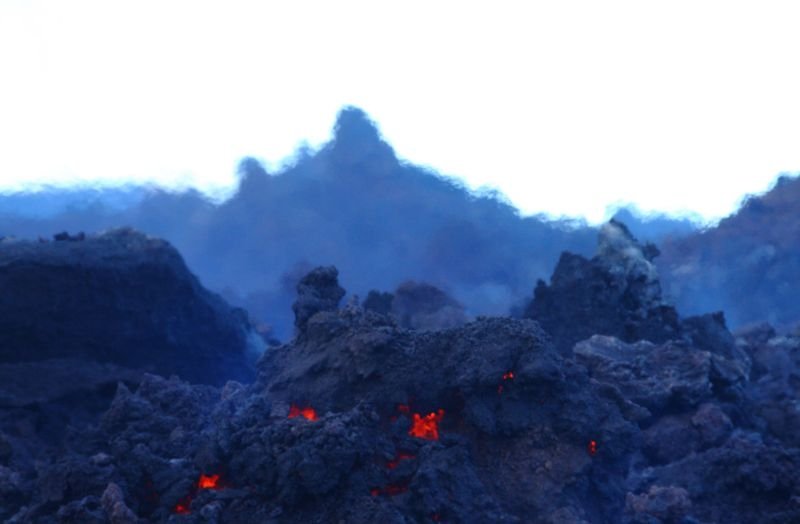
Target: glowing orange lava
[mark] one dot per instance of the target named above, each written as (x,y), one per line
(308,413)
(208,482)
(426,427)
(506,376)
(592,447)
(182,507)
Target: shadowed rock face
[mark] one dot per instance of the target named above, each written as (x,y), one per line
(317,291)
(360,420)
(119,297)
(418,305)
(616,293)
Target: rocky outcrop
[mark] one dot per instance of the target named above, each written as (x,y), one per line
(80,318)
(616,293)
(419,306)
(774,381)
(317,291)
(120,298)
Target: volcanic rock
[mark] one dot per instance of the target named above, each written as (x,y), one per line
(119,297)
(421,306)
(616,293)
(317,291)
(418,305)
(358,419)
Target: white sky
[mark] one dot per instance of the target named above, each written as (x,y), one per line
(565,106)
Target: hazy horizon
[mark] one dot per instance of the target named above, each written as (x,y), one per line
(682,108)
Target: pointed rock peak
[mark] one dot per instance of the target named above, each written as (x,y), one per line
(353,123)
(617,242)
(318,291)
(251,167)
(253,178)
(615,237)
(357,138)
(622,255)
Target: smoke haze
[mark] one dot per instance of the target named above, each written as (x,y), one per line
(381,221)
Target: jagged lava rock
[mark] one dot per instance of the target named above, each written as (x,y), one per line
(616,293)
(317,291)
(358,419)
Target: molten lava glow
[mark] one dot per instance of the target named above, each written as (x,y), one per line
(400,456)
(182,507)
(426,427)
(307,413)
(506,376)
(592,447)
(208,482)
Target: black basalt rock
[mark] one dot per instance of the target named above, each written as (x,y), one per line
(317,291)
(616,293)
(121,298)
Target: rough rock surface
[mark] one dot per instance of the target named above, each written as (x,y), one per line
(317,291)
(616,293)
(119,297)
(360,420)
(419,306)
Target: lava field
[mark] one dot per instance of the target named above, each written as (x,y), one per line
(600,405)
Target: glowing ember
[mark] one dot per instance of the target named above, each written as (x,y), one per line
(308,413)
(506,376)
(592,447)
(426,427)
(400,456)
(208,482)
(182,507)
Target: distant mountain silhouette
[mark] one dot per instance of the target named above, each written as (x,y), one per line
(352,204)
(747,266)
